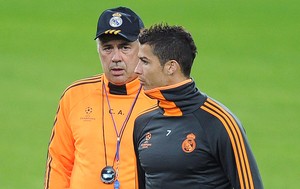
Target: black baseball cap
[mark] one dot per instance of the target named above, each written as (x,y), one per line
(120,21)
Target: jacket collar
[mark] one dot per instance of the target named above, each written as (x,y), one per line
(127,89)
(178,99)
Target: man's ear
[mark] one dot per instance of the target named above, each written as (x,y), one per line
(171,67)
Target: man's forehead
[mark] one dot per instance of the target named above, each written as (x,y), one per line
(116,42)
(145,51)
(145,48)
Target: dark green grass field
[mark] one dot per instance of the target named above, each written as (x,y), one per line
(248,58)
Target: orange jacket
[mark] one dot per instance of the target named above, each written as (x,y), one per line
(83,133)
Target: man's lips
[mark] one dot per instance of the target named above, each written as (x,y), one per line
(117,71)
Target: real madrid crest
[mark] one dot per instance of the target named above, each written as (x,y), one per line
(116,20)
(189,144)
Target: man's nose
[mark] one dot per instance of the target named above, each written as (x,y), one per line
(137,69)
(116,56)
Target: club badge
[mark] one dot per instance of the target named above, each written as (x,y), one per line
(189,144)
(116,20)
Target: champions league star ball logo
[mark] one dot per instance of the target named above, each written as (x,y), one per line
(88,110)
(116,20)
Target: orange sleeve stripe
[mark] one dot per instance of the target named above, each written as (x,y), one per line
(232,141)
(95,79)
(238,145)
(148,110)
(49,159)
(241,141)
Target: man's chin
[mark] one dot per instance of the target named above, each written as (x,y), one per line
(121,80)
(118,80)
(145,87)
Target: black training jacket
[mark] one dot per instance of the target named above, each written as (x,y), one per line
(190,141)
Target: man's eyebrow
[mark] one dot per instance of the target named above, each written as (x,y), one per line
(106,44)
(143,58)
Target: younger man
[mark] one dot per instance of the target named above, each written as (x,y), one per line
(190,140)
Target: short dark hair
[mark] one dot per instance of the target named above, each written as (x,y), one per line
(171,43)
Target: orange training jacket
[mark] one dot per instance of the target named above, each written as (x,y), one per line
(83,133)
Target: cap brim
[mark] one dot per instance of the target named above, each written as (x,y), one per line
(128,37)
